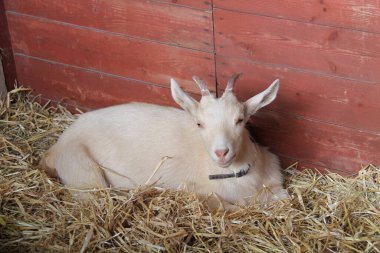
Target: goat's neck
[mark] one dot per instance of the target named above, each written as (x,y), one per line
(247,155)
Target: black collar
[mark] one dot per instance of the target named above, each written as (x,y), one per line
(241,173)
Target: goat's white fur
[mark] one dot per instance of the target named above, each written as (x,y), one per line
(120,146)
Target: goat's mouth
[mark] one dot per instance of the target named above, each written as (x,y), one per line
(226,163)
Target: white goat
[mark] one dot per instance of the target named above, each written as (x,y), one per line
(207,148)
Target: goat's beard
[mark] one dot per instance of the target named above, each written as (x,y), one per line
(227,163)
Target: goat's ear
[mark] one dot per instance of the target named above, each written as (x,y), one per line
(182,99)
(262,99)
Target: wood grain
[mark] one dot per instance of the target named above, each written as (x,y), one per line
(334,51)
(324,145)
(141,60)
(152,20)
(324,98)
(78,87)
(353,14)
(200,4)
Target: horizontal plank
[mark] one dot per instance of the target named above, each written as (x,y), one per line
(85,88)
(171,24)
(361,15)
(324,98)
(200,4)
(335,51)
(325,145)
(110,53)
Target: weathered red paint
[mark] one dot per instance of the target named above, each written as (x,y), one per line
(78,87)
(137,59)
(329,50)
(330,99)
(322,144)
(200,4)
(353,14)
(158,21)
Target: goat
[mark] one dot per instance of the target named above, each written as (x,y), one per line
(206,147)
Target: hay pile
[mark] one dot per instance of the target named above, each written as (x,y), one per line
(327,213)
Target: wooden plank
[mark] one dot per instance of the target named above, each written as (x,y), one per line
(340,52)
(200,4)
(110,53)
(79,87)
(6,55)
(324,98)
(324,145)
(171,24)
(354,14)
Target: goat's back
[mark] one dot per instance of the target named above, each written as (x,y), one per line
(127,141)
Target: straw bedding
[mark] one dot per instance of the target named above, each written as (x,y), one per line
(327,213)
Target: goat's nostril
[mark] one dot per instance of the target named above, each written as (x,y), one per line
(221,153)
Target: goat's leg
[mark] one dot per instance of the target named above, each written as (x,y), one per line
(78,170)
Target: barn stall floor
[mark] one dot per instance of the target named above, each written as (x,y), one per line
(327,213)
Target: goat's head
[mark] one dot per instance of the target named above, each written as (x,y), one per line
(221,121)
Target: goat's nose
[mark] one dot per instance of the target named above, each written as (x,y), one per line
(221,153)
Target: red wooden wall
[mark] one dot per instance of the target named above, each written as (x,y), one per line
(94,53)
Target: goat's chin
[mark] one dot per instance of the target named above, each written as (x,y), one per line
(225,164)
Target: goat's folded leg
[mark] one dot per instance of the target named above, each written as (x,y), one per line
(275,193)
(215,203)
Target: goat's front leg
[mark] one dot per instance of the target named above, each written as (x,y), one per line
(276,192)
(215,203)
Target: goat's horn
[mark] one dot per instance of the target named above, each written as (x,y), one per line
(231,82)
(204,89)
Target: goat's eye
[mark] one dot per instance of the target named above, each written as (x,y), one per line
(239,121)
